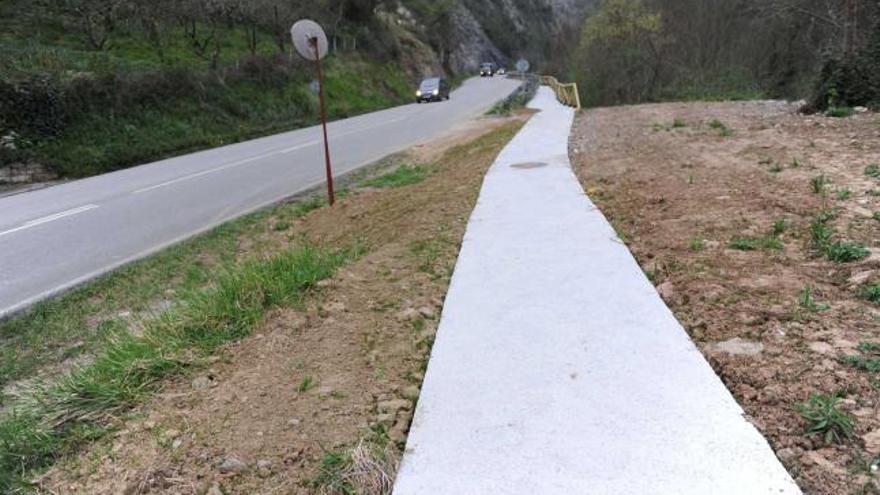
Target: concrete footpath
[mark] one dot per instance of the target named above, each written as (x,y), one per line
(557,368)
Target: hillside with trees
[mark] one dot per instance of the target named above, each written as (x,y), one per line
(647,50)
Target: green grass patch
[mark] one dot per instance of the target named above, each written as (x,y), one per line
(769,243)
(824,417)
(779,227)
(821,236)
(870,293)
(697,244)
(518,99)
(679,123)
(868,358)
(807,300)
(840,112)
(404,175)
(844,194)
(50,418)
(846,252)
(306,384)
(717,124)
(303,208)
(368,467)
(819,184)
(873,170)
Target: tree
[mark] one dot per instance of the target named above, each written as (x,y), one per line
(97,19)
(620,52)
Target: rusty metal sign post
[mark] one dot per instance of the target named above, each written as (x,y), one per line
(310,42)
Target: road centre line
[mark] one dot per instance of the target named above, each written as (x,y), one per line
(204,172)
(50,218)
(260,157)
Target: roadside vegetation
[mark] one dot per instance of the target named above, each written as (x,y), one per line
(161,321)
(50,419)
(519,99)
(86,89)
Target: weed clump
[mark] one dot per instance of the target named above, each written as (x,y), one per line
(824,417)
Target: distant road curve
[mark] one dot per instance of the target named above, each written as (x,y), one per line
(55,238)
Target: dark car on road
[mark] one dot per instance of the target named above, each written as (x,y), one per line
(488,69)
(433,89)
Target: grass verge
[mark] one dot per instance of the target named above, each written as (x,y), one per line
(50,419)
(404,175)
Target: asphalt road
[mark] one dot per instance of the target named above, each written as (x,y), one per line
(55,238)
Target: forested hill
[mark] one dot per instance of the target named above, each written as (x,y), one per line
(88,86)
(633,51)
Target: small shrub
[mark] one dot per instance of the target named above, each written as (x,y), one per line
(727,132)
(870,293)
(306,384)
(818,184)
(844,194)
(873,170)
(745,244)
(840,112)
(846,252)
(820,234)
(679,122)
(779,227)
(868,358)
(808,302)
(750,244)
(697,244)
(717,124)
(876,216)
(824,417)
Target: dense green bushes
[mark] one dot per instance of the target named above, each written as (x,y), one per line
(851,82)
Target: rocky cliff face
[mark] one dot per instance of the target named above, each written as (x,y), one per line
(475,31)
(525,28)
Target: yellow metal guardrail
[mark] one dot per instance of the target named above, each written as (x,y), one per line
(567,94)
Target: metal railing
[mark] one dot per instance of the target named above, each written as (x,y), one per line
(567,94)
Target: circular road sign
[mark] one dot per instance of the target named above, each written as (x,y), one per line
(305,34)
(522,65)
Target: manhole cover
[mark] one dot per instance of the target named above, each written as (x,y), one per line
(528,165)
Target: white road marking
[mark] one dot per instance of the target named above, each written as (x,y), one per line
(337,135)
(50,218)
(299,147)
(204,172)
(264,155)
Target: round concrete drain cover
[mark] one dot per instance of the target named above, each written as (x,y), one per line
(528,165)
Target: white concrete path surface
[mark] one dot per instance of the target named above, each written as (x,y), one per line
(557,368)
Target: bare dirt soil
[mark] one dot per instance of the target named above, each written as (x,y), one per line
(685,191)
(274,409)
